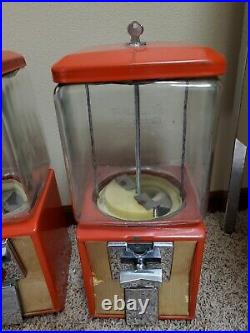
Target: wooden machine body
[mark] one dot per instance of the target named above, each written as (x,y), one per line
(42,246)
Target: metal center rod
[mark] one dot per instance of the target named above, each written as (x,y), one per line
(92,139)
(137,139)
(184,134)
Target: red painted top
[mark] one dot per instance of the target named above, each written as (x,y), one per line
(11,61)
(152,61)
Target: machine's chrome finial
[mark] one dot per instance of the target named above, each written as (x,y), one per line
(135,30)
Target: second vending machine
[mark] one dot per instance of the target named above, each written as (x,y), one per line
(137,124)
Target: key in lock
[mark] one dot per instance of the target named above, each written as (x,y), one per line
(141,268)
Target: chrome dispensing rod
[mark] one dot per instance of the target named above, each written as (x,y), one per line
(184,134)
(135,30)
(92,138)
(137,139)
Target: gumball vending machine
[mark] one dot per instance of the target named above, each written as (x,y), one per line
(137,124)
(35,243)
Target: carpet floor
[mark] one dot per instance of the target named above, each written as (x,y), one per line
(222,302)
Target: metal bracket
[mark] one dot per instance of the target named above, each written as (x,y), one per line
(239,156)
(147,278)
(125,256)
(141,268)
(135,317)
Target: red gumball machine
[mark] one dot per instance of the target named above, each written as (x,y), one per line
(137,124)
(35,244)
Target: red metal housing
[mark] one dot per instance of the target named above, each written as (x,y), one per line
(153,61)
(47,227)
(11,61)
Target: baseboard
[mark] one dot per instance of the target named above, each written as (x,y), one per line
(217,203)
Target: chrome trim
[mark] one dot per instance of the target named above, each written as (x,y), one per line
(137,139)
(237,169)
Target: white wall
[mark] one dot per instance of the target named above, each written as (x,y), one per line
(44,32)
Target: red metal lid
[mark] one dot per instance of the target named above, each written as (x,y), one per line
(145,62)
(11,61)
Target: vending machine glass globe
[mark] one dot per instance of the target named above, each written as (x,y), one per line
(137,124)
(25,158)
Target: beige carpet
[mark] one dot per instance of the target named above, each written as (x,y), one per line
(222,301)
